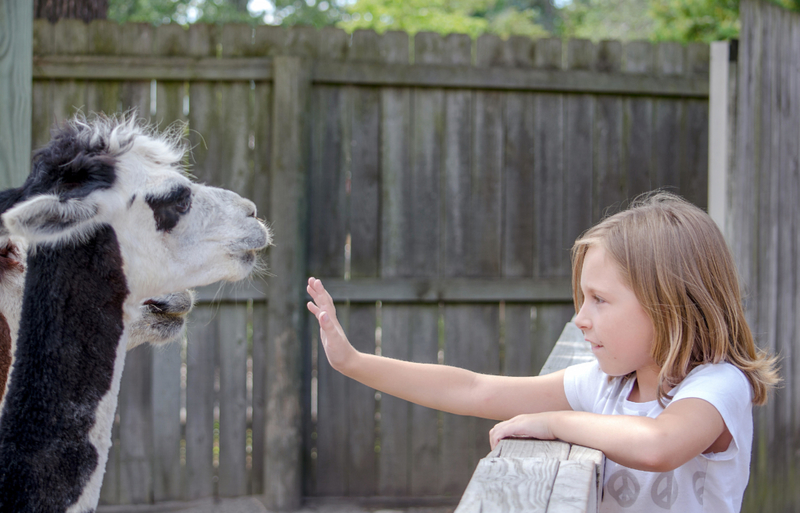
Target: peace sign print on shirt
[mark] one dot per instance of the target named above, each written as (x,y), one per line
(699,482)
(665,490)
(623,487)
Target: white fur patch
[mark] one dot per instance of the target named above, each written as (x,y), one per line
(100,434)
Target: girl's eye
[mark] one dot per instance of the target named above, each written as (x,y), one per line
(598,299)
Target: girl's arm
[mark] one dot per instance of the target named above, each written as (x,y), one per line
(685,429)
(441,387)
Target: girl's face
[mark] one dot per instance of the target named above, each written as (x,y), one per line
(612,319)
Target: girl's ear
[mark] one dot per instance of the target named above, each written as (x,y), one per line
(47,219)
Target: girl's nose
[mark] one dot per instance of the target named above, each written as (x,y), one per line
(582,320)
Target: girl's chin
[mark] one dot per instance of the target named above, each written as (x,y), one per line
(611,370)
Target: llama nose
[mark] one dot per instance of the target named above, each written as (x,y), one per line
(250,208)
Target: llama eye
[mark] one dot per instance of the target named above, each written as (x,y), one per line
(184,205)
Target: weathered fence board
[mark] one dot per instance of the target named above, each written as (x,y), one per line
(16,95)
(232,338)
(761,226)
(762,221)
(437,194)
(511,484)
(166,390)
(200,401)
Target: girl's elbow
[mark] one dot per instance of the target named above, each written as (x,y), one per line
(659,459)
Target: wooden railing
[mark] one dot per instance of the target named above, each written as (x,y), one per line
(537,475)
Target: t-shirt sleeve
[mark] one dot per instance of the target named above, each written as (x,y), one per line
(581,384)
(728,390)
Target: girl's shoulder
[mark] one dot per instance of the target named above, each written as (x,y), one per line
(722,384)
(722,373)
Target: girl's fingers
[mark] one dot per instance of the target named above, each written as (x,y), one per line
(314,309)
(324,320)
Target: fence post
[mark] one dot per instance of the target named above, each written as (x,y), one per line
(16,79)
(285,324)
(721,126)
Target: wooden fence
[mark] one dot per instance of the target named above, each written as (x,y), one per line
(764,227)
(16,20)
(437,191)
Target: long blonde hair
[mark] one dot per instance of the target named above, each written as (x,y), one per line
(674,258)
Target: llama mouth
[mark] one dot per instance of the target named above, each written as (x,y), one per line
(171,305)
(248,257)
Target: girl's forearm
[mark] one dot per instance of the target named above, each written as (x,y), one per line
(635,442)
(440,387)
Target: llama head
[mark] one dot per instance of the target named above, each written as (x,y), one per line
(173,234)
(161,319)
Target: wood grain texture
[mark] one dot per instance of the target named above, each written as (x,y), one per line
(510,484)
(201,362)
(574,489)
(166,389)
(286,325)
(763,217)
(136,428)
(16,49)
(232,338)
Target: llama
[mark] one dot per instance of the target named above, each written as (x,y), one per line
(110,219)
(161,319)
(12,272)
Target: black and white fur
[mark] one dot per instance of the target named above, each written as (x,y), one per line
(161,320)
(110,219)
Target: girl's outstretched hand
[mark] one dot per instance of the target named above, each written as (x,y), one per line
(532,425)
(334,341)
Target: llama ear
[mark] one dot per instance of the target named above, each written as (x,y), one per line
(50,220)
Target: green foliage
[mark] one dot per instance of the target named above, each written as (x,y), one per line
(607,19)
(657,20)
(473,17)
(793,5)
(316,13)
(511,22)
(695,20)
(181,11)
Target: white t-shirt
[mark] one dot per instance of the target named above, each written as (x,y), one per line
(708,483)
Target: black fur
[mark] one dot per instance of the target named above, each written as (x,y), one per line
(65,359)
(73,164)
(64,366)
(168,209)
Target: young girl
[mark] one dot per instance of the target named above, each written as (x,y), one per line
(669,399)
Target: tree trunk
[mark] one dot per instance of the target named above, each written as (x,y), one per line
(86,10)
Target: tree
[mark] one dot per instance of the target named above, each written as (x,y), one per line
(695,20)
(181,11)
(86,10)
(315,13)
(607,19)
(473,17)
